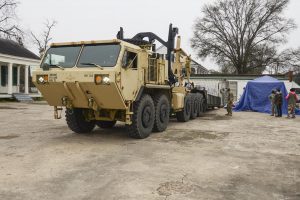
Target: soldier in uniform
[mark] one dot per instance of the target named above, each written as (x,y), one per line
(292,100)
(229,102)
(273,106)
(278,102)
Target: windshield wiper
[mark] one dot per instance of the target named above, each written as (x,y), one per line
(58,66)
(93,64)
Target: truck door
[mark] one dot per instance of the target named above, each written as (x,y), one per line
(130,81)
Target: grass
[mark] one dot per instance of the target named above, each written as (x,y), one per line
(5,100)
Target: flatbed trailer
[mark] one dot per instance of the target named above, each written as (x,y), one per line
(213,101)
(210,101)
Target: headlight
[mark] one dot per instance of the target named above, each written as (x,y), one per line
(98,79)
(102,79)
(106,80)
(42,79)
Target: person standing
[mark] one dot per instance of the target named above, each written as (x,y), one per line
(229,102)
(292,100)
(272,99)
(278,102)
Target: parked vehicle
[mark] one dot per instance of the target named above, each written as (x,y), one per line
(102,82)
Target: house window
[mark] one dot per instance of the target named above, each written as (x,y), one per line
(4,71)
(15,76)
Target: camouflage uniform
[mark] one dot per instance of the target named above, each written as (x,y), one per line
(229,104)
(278,103)
(273,107)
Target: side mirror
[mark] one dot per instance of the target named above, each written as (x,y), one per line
(124,60)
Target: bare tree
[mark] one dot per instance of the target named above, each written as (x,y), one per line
(8,25)
(287,60)
(292,58)
(238,32)
(42,40)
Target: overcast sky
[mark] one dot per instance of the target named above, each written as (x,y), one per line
(100,19)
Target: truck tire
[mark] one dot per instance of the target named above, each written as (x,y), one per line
(204,106)
(106,124)
(200,105)
(142,118)
(185,114)
(77,122)
(162,113)
(195,105)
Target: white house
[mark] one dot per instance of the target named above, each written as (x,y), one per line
(196,67)
(215,82)
(16,64)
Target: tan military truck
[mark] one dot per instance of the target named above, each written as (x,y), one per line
(102,82)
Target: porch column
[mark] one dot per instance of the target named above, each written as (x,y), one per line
(26,79)
(10,79)
(18,78)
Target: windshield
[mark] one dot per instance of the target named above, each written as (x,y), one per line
(62,56)
(104,55)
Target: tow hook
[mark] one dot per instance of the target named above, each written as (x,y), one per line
(91,102)
(56,114)
(64,101)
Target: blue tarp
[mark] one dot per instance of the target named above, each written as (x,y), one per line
(256,95)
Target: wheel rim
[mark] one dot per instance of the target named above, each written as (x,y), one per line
(70,111)
(146,116)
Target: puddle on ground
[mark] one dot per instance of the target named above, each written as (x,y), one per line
(183,135)
(8,137)
(174,187)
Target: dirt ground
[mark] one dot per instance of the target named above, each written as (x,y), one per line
(247,156)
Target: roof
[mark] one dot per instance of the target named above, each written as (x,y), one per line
(198,65)
(236,76)
(95,42)
(162,49)
(86,42)
(265,79)
(12,48)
